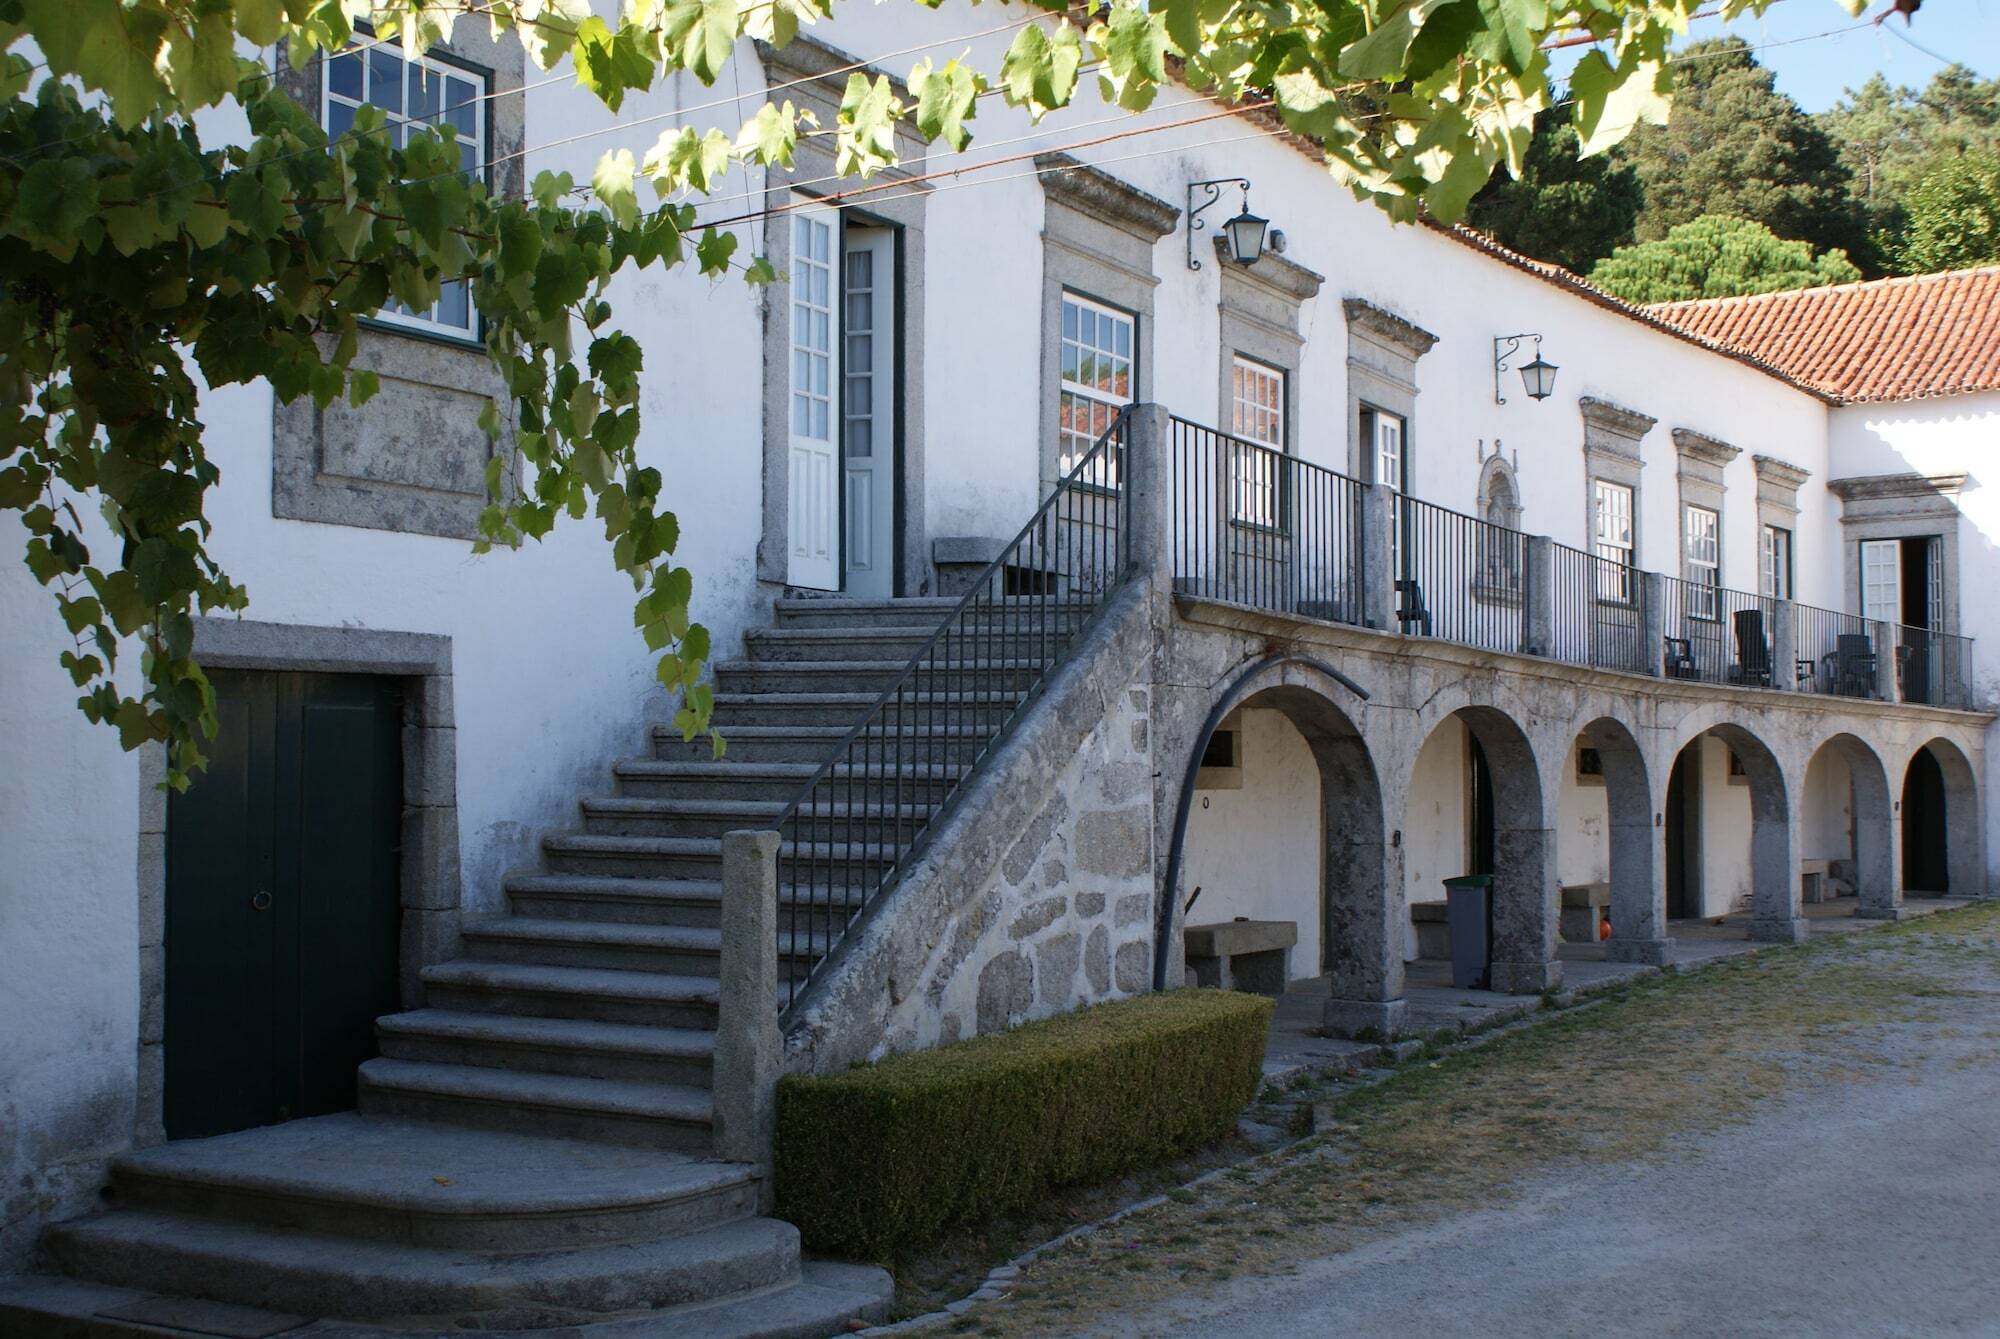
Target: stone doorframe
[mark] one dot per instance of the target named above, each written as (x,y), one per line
(430,877)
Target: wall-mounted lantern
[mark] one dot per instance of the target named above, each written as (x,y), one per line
(1245,234)
(1538,377)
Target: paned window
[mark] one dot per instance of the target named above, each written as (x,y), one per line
(413,93)
(1774,562)
(1258,408)
(1097,351)
(1704,560)
(1611,539)
(812,328)
(858,333)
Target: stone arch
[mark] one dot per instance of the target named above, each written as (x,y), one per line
(1877,884)
(1366,977)
(1774,884)
(1638,893)
(1524,886)
(1963,835)
(1499,492)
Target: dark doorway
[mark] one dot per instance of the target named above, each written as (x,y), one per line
(1924,867)
(1683,835)
(1483,843)
(283,901)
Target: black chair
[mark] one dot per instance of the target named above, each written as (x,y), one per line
(1853,665)
(1753,652)
(1680,663)
(1411,612)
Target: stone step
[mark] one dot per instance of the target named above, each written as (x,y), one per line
(619,1111)
(1018,638)
(978,712)
(646,778)
(679,857)
(926,612)
(435,1186)
(828,1298)
(307,1274)
(690,902)
(574,1046)
(811,744)
(593,994)
(862,818)
(923,683)
(558,941)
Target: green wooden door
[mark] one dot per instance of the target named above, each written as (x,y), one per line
(283,901)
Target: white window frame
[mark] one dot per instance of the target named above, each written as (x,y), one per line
(393,313)
(1774,562)
(1701,530)
(1101,402)
(1611,538)
(1257,416)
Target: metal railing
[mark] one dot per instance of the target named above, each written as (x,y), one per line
(1833,652)
(871,805)
(1255,526)
(1934,668)
(1717,635)
(1597,613)
(1459,578)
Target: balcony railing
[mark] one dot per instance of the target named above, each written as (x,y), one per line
(1597,615)
(1254,526)
(1258,527)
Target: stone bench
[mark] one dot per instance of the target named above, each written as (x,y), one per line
(1243,955)
(1433,929)
(1583,906)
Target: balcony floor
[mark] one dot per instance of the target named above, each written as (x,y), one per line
(1295,1045)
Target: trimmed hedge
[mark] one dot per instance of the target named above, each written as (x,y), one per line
(886,1156)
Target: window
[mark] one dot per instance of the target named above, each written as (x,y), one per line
(1258,416)
(1611,539)
(812,328)
(1774,562)
(413,92)
(1096,373)
(1704,561)
(1382,435)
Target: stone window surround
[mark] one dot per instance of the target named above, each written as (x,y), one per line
(1703,460)
(1900,506)
(1259,310)
(327,466)
(1098,236)
(1611,452)
(1778,484)
(430,876)
(1382,354)
(817,74)
(1497,467)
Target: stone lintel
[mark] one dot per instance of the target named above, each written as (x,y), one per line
(1614,420)
(1286,278)
(1871,487)
(1385,326)
(1102,196)
(1701,447)
(1779,473)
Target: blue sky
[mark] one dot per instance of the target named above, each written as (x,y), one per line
(1814,70)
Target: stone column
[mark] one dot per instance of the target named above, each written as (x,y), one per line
(1363,895)
(1884,635)
(1638,887)
(1774,866)
(1149,495)
(1784,647)
(1652,594)
(1378,564)
(1538,594)
(1526,902)
(1878,849)
(749,1048)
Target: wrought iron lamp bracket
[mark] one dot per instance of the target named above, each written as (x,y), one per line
(1194,211)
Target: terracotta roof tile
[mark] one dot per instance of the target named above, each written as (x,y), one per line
(1893,339)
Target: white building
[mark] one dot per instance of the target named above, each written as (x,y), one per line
(389,821)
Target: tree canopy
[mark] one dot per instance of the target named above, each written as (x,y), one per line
(1891,137)
(1952,216)
(1562,207)
(136,254)
(1718,257)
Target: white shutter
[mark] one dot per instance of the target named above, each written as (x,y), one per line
(1881,580)
(813,515)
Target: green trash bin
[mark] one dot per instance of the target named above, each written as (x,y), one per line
(1469,918)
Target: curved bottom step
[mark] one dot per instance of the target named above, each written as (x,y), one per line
(826,1298)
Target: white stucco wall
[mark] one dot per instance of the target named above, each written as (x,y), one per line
(1583,842)
(1255,852)
(1725,831)
(1826,809)
(1437,822)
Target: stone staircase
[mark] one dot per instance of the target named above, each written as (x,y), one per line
(532,1148)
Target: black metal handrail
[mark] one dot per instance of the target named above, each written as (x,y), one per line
(1933,668)
(1255,526)
(1460,578)
(1597,612)
(854,827)
(1718,635)
(1833,652)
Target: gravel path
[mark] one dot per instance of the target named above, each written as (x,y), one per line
(1870,1209)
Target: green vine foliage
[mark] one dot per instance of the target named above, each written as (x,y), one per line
(139,265)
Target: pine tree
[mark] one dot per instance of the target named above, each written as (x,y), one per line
(1717,257)
(1569,210)
(1890,138)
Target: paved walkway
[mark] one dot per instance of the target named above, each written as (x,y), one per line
(1434,1004)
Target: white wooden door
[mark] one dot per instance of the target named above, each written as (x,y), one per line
(1882,580)
(813,515)
(868,408)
